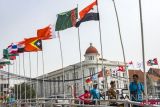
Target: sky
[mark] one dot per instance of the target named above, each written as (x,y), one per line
(20,19)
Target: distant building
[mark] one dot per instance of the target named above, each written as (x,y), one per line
(73,74)
(3,85)
(154,84)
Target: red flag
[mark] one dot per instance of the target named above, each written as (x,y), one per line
(1,66)
(12,57)
(87,9)
(130,63)
(89,80)
(121,68)
(45,33)
(155,61)
(33,44)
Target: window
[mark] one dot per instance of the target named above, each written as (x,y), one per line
(67,76)
(92,71)
(91,57)
(58,78)
(54,86)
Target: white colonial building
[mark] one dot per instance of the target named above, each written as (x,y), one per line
(74,73)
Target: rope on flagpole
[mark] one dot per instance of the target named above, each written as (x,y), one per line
(80,56)
(143,51)
(100,37)
(24,78)
(60,46)
(120,36)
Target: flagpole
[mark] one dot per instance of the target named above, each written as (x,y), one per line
(30,78)
(20,78)
(24,79)
(60,46)
(143,51)
(37,80)
(100,35)
(17,78)
(80,54)
(124,58)
(44,89)
(8,80)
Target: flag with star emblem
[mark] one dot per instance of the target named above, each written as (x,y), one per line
(33,44)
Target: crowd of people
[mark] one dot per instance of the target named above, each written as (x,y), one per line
(93,96)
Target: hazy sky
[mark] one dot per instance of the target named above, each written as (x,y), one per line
(20,19)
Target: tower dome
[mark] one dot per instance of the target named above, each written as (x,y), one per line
(91,49)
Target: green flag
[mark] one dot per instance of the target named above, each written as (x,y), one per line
(4,62)
(7,55)
(66,19)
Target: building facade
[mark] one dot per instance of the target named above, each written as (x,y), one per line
(73,74)
(3,85)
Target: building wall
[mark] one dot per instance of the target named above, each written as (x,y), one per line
(71,73)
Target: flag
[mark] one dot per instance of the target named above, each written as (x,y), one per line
(130,63)
(89,80)
(4,62)
(66,19)
(12,49)
(33,44)
(45,33)
(88,13)
(20,46)
(7,55)
(152,62)
(1,66)
(121,68)
(113,71)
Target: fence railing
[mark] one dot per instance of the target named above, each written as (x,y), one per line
(69,102)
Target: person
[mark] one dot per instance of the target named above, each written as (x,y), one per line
(136,90)
(85,98)
(112,93)
(95,93)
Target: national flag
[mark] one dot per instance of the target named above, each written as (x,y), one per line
(33,44)
(89,80)
(12,49)
(1,66)
(4,62)
(130,63)
(88,13)
(139,64)
(152,62)
(7,55)
(66,19)
(121,68)
(155,61)
(21,46)
(46,33)
(12,58)
(113,71)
